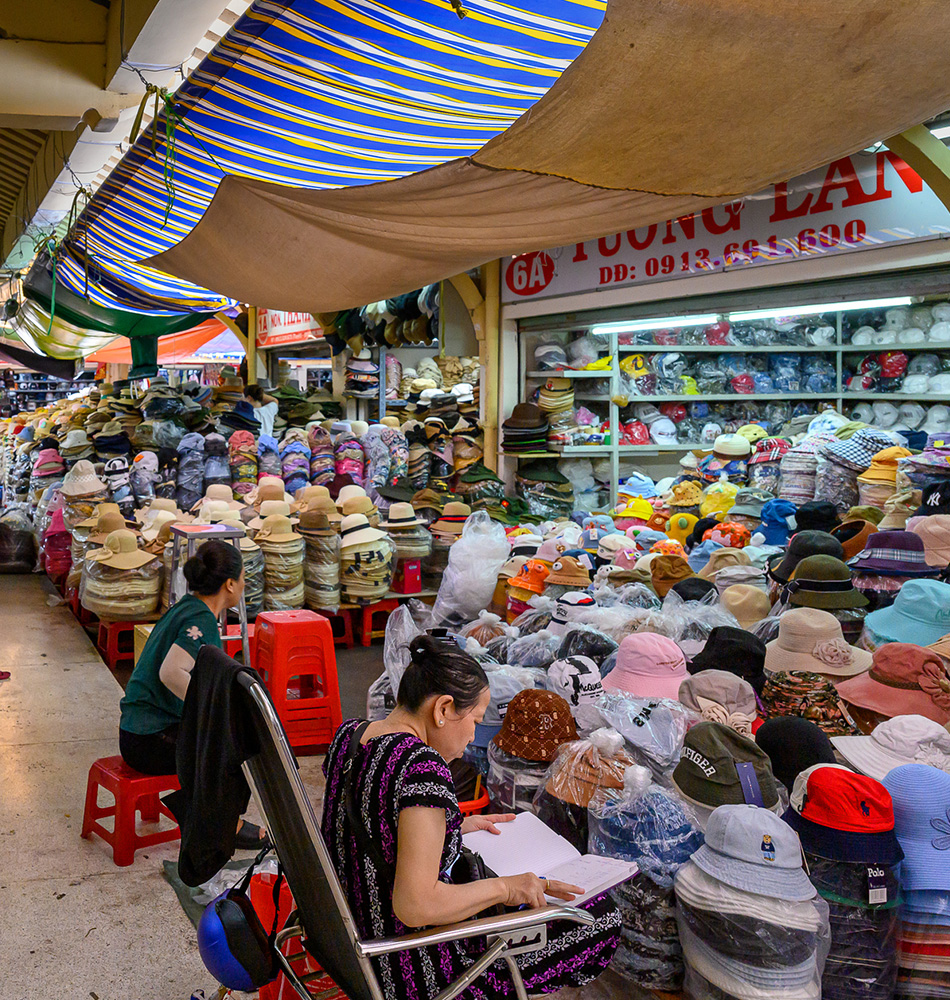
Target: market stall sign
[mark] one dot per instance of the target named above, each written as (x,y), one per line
(276,328)
(854,203)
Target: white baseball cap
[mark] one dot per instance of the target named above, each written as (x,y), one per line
(885,414)
(937,419)
(911,415)
(912,335)
(663,431)
(905,739)
(940,331)
(939,383)
(864,413)
(914,384)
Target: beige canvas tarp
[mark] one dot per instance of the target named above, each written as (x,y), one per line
(673,106)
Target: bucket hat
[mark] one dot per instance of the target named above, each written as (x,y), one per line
(921,799)
(648,666)
(903,739)
(899,507)
(686,494)
(904,679)
(748,604)
(707,774)
(736,650)
(824,582)
(811,640)
(120,550)
(853,535)
(723,558)
(754,850)
(893,553)
(934,532)
(858,451)
(720,696)
(567,571)
(453,518)
(730,533)
(533,576)
(576,679)
(275,528)
(81,480)
(355,530)
(693,588)
(536,723)
(667,570)
(883,468)
(801,545)
(750,501)
(701,553)
(778,521)
(843,816)
(816,515)
(793,745)
(680,526)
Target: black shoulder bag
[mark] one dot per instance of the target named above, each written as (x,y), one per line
(469,866)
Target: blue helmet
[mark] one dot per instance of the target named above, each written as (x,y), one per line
(233,945)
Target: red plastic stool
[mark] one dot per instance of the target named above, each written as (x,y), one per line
(342,636)
(295,656)
(131,791)
(85,617)
(369,613)
(116,644)
(231,640)
(473,806)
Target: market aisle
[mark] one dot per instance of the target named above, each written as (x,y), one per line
(73,925)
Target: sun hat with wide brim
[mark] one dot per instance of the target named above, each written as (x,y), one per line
(920,613)
(106,507)
(152,527)
(919,795)
(81,480)
(811,640)
(355,530)
(276,528)
(348,492)
(902,739)
(120,550)
(160,503)
(453,518)
(218,492)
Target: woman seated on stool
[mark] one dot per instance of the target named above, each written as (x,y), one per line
(153,702)
(411,823)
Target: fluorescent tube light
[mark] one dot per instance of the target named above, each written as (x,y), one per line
(739,317)
(941,133)
(664,323)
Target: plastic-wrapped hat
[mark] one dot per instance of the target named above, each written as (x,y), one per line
(719,498)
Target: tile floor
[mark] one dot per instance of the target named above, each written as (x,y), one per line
(72,925)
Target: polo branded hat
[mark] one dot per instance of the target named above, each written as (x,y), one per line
(754,850)
(720,767)
(843,816)
(904,739)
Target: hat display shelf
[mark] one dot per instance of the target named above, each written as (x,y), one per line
(32,389)
(189,537)
(618,329)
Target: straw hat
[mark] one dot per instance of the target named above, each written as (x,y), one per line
(101,508)
(355,530)
(160,503)
(358,505)
(121,551)
(276,528)
(811,640)
(219,492)
(348,492)
(454,516)
(153,526)
(306,494)
(107,523)
(401,515)
(315,522)
(325,505)
(271,508)
(82,480)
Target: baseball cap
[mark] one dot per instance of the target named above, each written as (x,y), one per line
(843,816)
(754,850)
(709,773)
(905,739)
(576,679)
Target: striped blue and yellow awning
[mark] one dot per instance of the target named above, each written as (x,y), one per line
(318,94)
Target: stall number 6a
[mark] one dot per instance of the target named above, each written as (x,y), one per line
(530,273)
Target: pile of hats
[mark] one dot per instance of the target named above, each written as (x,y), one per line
(119,580)
(362,376)
(408,531)
(321,561)
(283,551)
(74,446)
(367,560)
(526,430)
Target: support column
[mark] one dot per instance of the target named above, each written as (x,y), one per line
(251,350)
(922,150)
(491,285)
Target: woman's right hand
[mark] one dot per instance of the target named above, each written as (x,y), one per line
(529,890)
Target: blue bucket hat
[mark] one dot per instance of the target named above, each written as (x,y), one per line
(639,484)
(698,558)
(775,525)
(920,795)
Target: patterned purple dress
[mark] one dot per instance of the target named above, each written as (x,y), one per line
(398,771)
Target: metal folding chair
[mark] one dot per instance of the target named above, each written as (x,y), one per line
(323,919)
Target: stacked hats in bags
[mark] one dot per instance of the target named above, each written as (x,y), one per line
(644,823)
(321,571)
(407,531)
(367,561)
(525,430)
(283,551)
(846,825)
(119,580)
(362,376)
(751,924)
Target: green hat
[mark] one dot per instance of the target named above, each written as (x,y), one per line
(823,581)
(871,514)
(478,473)
(706,774)
(845,431)
(543,470)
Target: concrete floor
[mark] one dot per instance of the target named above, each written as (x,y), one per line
(72,925)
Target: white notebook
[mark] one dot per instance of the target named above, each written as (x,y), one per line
(527,844)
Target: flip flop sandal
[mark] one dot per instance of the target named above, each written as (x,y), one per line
(249,838)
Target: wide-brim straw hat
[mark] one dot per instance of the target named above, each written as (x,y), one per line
(401,515)
(355,530)
(276,528)
(120,550)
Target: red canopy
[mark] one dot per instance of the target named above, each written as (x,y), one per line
(173,347)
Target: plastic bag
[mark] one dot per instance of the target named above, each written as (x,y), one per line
(283,575)
(536,649)
(537,617)
(585,640)
(472,572)
(654,729)
(581,770)
(644,824)
(402,626)
(17,544)
(513,782)
(486,627)
(380,700)
(504,682)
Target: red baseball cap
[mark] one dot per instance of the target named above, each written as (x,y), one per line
(843,816)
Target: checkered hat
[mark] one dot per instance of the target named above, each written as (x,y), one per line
(858,451)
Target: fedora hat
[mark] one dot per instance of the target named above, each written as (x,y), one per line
(453,518)
(271,508)
(401,515)
(349,492)
(355,530)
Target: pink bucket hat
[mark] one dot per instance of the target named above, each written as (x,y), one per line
(648,666)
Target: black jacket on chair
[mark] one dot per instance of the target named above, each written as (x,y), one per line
(215,737)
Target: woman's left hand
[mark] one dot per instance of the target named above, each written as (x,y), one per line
(485,822)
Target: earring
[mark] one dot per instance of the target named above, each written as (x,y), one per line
(441,722)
